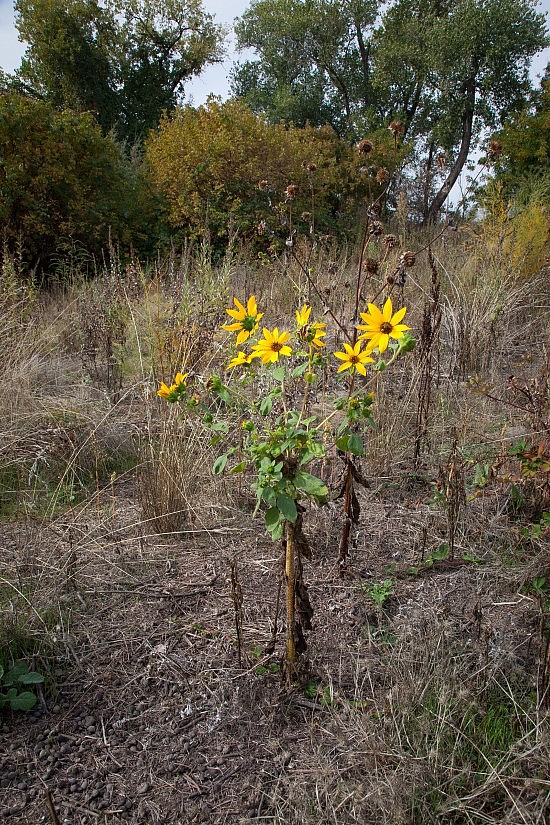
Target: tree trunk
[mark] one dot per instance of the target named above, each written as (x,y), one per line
(469,91)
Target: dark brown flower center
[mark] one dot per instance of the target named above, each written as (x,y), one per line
(386,328)
(276,346)
(354,359)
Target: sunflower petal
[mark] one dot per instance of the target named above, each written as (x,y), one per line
(387,309)
(398,316)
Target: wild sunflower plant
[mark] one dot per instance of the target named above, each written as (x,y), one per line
(283,442)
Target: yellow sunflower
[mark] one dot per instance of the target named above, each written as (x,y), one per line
(171,393)
(380,326)
(246,319)
(316,331)
(272,346)
(354,358)
(302,316)
(240,358)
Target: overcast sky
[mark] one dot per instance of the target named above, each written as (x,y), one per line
(214,80)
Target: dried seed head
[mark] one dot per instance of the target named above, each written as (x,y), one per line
(291,191)
(494,149)
(441,160)
(408,259)
(390,241)
(382,175)
(310,167)
(262,184)
(306,216)
(397,127)
(390,280)
(260,229)
(376,229)
(364,147)
(371,265)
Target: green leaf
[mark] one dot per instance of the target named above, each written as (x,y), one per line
(269,496)
(266,405)
(278,373)
(287,506)
(277,532)
(238,468)
(23,701)
(219,465)
(272,518)
(299,370)
(31,678)
(355,444)
(311,485)
(342,442)
(350,442)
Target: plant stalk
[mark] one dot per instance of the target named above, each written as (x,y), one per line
(290,600)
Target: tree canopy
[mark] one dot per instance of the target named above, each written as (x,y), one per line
(125,61)
(446,70)
(63,181)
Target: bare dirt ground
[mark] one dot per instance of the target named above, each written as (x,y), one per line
(147,716)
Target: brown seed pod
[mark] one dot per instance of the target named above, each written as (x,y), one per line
(408,259)
(397,127)
(262,184)
(371,266)
(364,147)
(494,150)
(382,175)
(291,191)
(376,229)
(390,241)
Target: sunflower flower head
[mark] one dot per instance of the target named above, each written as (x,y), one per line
(302,316)
(174,391)
(272,346)
(315,332)
(240,359)
(354,358)
(246,319)
(381,325)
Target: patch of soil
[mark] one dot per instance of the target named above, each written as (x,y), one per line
(147,716)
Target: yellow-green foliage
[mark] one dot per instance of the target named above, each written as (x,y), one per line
(209,161)
(519,231)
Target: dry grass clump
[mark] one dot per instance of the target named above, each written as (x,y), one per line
(444,741)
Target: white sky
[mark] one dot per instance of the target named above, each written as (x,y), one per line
(214,79)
